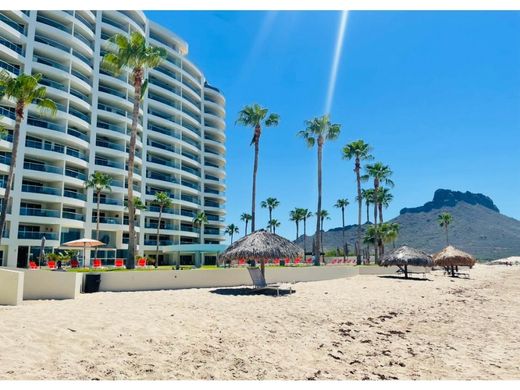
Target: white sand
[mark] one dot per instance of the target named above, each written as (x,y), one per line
(365,327)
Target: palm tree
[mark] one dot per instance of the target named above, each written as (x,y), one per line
(133,54)
(99,182)
(384,197)
(199,220)
(445,219)
(256,116)
(270,204)
(368,196)
(231,230)
(245,218)
(162,200)
(359,151)
(305,215)
(296,216)
(24,90)
(381,174)
(273,224)
(393,232)
(138,205)
(341,204)
(317,131)
(324,214)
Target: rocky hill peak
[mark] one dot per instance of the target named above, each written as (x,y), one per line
(449,198)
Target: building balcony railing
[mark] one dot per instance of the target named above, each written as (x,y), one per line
(189,229)
(162,130)
(160,176)
(10,67)
(164,226)
(28,235)
(110,145)
(32,121)
(70,236)
(75,174)
(191,142)
(75,195)
(80,76)
(41,189)
(166,210)
(77,134)
(40,212)
(112,91)
(161,242)
(5,159)
(44,146)
(191,185)
(191,199)
(161,161)
(53,23)
(114,23)
(109,220)
(71,215)
(77,154)
(43,167)
(108,163)
(162,146)
(187,213)
(110,201)
(8,112)
(110,126)
(52,43)
(193,171)
(13,46)
(10,22)
(80,95)
(79,114)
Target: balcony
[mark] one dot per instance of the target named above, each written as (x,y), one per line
(81,76)
(13,46)
(10,68)
(43,167)
(162,130)
(108,220)
(40,212)
(109,126)
(189,229)
(8,112)
(78,134)
(44,146)
(164,226)
(165,210)
(75,174)
(75,216)
(10,22)
(54,84)
(53,64)
(191,185)
(109,145)
(161,161)
(112,91)
(52,43)
(41,189)
(75,195)
(53,23)
(28,235)
(193,171)
(109,201)
(109,163)
(160,176)
(79,114)
(161,242)
(191,199)
(191,142)
(32,121)
(160,145)
(5,160)
(80,95)
(114,23)
(77,154)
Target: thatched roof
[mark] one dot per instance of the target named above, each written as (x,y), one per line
(406,255)
(261,245)
(452,256)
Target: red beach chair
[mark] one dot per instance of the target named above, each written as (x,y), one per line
(96,263)
(74,264)
(33,265)
(141,263)
(51,264)
(119,263)
(276,262)
(241,262)
(287,261)
(309,261)
(297,261)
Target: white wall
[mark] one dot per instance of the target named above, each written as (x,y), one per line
(39,284)
(168,280)
(11,287)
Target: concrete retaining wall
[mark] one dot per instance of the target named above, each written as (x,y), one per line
(11,287)
(170,280)
(40,284)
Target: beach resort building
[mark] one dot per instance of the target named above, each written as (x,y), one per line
(180,145)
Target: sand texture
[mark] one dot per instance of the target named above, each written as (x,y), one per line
(366,327)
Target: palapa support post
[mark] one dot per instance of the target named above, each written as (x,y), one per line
(406,271)
(262,267)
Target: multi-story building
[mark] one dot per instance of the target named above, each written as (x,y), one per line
(180,146)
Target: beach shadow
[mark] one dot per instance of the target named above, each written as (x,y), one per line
(403,278)
(244,291)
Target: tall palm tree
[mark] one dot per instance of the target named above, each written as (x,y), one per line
(99,182)
(368,196)
(317,131)
(199,220)
(133,54)
(324,214)
(296,216)
(256,116)
(138,205)
(305,215)
(231,230)
(341,204)
(270,204)
(161,200)
(246,218)
(445,219)
(384,197)
(273,224)
(359,151)
(24,90)
(393,232)
(380,173)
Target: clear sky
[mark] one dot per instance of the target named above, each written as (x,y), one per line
(437,95)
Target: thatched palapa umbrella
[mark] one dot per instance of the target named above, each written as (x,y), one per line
(453,257)
(260,246)
(405,256)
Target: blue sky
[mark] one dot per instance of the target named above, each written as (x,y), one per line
(437,95)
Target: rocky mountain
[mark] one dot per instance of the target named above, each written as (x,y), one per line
(477,227)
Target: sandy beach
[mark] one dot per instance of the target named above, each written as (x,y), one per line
(366,327)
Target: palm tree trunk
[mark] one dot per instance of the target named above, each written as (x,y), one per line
(157,239)
(10,175)
(358,179)
(368,212)
(245,234)
(297,229)
(270,219)
(138,80)
(447,239)
(304,236)
(376,236)
(317,236)
(201,231)
(255,170)
(232,237)
(343,232)
(98,193)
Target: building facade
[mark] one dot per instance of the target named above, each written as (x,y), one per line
(180,145)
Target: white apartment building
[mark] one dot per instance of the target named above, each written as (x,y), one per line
(180,146)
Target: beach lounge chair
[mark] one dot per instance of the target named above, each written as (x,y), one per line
(96,264)
(276,261)
(141,263)
(33,265)
(51,264)
(241,262)
(309,261)
(119,263)
(259,282)
(297,261)
(74,263)
(287,261)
